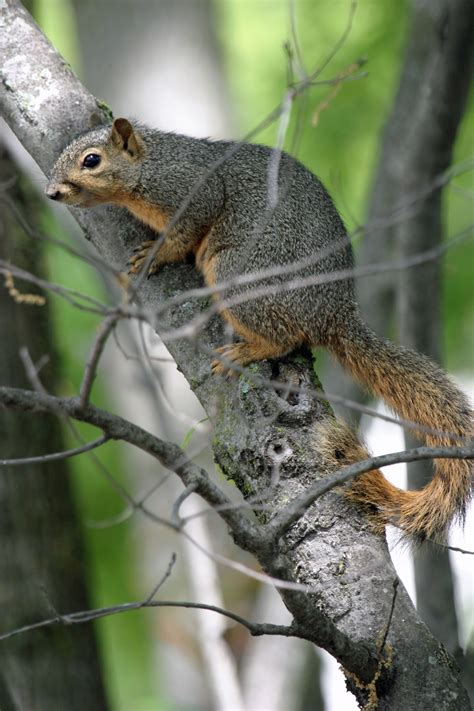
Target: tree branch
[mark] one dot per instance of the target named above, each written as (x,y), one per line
(57,456)
(74,618)
(168,454)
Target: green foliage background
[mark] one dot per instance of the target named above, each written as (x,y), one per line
(342,151)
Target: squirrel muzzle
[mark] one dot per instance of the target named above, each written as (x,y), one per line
(70,194)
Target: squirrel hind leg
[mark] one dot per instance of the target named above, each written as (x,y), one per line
(243,353)
(252,348)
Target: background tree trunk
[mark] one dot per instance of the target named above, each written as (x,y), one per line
(41,564)
(438,69)
(416,150)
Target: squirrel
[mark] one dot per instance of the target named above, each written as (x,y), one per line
(239,219)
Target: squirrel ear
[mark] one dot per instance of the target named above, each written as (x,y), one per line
(124,136)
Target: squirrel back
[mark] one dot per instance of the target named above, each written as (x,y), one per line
(259,221)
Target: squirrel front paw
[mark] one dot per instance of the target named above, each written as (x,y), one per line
(140,256)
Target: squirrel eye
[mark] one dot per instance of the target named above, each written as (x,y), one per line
(91,160)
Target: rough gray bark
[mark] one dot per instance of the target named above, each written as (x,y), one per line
(330,549)
(41,564)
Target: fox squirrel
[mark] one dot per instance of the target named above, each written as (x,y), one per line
(233,228)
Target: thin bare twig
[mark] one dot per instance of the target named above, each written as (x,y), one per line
(94,260)
(274,164)
(162,580)
(395,216)
(175,517)
(192,328)
(250,572)
(57,456)
(287,388)
(323,105)
(167,453)
(448,547)
(106,327)
(32,370)
(70,295)
(290,96)
(75,618)
(341,41)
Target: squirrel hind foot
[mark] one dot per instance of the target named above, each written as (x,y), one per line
(139,257)
(242,354)
(338,444)
(227,356)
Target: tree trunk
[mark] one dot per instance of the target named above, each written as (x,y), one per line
(42,565)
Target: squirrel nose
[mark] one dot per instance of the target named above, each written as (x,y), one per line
(53,193)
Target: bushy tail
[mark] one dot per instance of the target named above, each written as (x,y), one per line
(419,391)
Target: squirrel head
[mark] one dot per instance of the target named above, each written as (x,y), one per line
(98,167)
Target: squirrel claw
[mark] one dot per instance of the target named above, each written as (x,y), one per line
(136,263)
(223,366)
(144,246)
(220,368)
(139,256)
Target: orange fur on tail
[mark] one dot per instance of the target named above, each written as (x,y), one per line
(418,391)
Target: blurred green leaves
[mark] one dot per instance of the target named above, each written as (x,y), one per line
(343,148)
